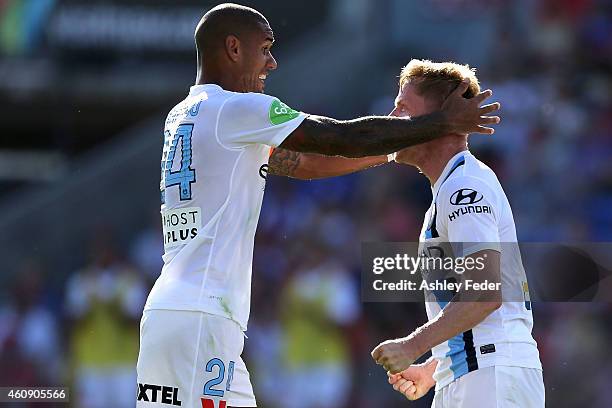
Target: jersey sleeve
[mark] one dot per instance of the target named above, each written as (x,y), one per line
(253,118)
(469,212)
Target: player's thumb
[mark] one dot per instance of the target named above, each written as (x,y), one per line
(393,378)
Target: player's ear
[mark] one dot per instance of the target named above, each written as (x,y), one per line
(232,47)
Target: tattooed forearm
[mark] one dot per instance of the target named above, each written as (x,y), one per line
(374,135)
(309,166)
(284,162)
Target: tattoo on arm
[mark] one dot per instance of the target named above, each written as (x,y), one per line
(367,136)
(316,134)
(283,162)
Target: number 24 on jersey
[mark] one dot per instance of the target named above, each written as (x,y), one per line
(185,175)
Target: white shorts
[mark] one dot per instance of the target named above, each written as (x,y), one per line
(192,360)
(494,387)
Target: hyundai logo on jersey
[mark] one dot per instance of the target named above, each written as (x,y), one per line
(465,196)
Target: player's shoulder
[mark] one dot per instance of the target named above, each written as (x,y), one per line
(475,179)
(246,109)
(248,100)
(476,168)
(256,109)
(454,189)
(176,113)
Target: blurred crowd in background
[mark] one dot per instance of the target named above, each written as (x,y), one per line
(549,63)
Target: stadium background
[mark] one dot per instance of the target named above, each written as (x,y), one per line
(85,88)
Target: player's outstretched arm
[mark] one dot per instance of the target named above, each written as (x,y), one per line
(379,135)
(367,136)
(456,317)
(308,166)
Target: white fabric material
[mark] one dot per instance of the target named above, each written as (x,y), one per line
(475,229)
(176,348)
(210,221)
(494,387)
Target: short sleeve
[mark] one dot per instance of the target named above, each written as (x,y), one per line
(468,209)
(252,118)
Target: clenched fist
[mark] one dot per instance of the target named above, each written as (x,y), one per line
(415,381)
(394,355)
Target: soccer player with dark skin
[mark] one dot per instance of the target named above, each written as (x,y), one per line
(233,45)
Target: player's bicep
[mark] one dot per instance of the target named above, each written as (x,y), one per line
(316,134)
(485,273)
(489,261)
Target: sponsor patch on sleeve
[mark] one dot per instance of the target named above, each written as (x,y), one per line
(281,113)
(181,225)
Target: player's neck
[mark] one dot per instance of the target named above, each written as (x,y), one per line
(435,162)
(224,79)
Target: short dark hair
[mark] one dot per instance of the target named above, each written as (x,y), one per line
(223,20)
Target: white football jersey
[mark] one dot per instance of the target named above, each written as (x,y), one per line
(469,207)
(213,174)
